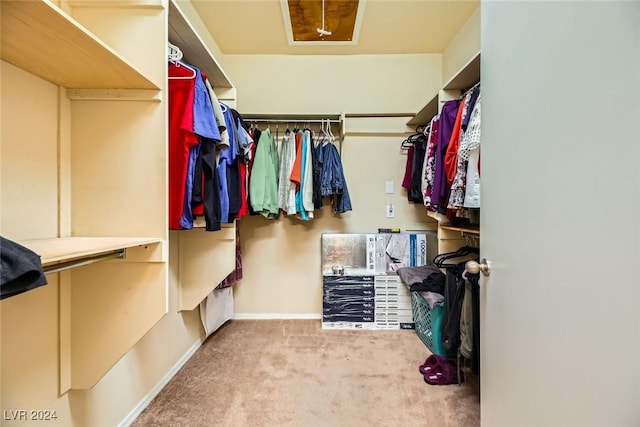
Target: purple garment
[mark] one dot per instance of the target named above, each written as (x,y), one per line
(472,102)
(406,181)
(447,120)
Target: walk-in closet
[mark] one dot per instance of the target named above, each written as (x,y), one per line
(319,213)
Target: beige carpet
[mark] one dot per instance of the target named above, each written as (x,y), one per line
(293,373)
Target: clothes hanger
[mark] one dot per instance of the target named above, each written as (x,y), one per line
(440,259)
(182,64)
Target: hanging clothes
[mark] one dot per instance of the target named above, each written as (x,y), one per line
(447,119)
(236,274)
(205,126)
(181,138)
(263,187)
(286,188)
(472,149)
(307,176)
(333,182)
(430,159)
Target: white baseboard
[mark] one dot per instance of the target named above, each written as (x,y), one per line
(137,410)
(273,316)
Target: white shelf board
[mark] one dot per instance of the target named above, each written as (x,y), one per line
(194,51)
(40,38)
(57,250)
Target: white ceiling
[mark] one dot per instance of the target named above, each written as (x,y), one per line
(388,26)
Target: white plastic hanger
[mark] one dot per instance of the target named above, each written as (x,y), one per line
(182,64)
(174,55)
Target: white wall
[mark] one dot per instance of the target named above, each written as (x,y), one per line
(281,259)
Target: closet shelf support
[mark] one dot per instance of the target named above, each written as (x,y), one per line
(56,268)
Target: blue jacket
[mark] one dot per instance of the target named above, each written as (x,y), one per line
(333,182)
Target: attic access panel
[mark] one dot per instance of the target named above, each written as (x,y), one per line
(303,18)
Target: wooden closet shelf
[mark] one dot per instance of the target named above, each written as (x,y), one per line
(68,249)
(40,38)
(194,50)
(467,76)
(426,113)
(471,229)
(464,79)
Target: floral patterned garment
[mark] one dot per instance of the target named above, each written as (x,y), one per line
(430,161)
(458,187)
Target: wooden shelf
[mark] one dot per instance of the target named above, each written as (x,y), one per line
(68,249)
(205,259)
(194,51)
(471,229)
(464,79)
(424,116)
(40,38)
(468,75)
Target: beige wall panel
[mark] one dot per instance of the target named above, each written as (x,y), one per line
(206,258)
(462,47)
(117,27)
(141,369)
(281,259)
(112,306)
(29,324)
(119,172)
(333,83)
(29,130)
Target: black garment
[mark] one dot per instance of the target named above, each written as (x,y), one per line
(206,176)
(420,150)
(316,155)
(21,269)
(233,187)
(474,279)
(453,296)
(435,282)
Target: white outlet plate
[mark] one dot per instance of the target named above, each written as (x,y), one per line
(391,211)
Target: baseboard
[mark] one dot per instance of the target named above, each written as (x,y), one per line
(137,410)
(273,316)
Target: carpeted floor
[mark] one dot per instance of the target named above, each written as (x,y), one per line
(267,373)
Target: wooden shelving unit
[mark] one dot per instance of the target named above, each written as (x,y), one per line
(40,38)
(469,229)
(451,237)
(68,251)
(464,79)
(111,289)
(195,52)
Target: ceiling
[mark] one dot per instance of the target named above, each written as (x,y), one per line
(387,26)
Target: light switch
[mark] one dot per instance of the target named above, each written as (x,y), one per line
(389,187)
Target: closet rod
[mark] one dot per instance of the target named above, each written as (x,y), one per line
(249,119)
(469,90)
(376,115)
(56,268)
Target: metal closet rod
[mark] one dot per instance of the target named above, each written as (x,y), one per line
(248,119)
(56,268)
